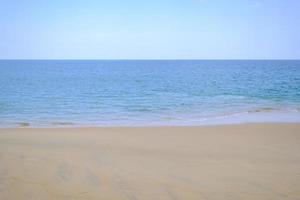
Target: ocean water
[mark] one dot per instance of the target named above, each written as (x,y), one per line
(41,93)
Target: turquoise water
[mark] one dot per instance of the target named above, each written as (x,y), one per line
(141,93)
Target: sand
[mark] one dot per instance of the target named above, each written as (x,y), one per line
(251,161)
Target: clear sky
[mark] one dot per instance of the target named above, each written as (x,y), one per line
(150,29)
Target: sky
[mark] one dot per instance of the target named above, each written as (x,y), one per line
(150,29)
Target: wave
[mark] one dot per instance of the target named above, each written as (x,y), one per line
(230,96)
(266,109)
(271,109)
(24,124)
(255,114)
(63,123)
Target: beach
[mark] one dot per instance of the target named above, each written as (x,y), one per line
(246,161)
(150,100)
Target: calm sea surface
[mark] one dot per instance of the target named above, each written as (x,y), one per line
(142,93)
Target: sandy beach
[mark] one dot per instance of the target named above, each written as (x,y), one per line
(251,161)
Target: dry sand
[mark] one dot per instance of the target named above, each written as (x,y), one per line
(253,161)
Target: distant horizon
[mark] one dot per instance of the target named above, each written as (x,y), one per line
(150,59)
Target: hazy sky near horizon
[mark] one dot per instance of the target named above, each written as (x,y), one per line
(156,29)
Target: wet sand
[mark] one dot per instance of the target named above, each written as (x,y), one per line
(251,161)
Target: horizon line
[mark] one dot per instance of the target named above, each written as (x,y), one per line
(143,59)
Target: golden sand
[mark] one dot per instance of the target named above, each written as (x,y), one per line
(253,161)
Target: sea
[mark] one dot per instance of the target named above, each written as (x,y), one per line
(105,93)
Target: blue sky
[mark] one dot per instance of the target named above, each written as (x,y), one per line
(152,29)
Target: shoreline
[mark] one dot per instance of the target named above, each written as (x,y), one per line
(150,126)
(226,119)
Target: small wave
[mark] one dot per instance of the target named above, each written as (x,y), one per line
(266,109)
(63,123)
(141,109)
(229,96)
(171,118)
(23,124)
(270,109)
